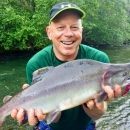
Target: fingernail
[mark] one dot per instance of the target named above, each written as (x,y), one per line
(21,110)
(89,106)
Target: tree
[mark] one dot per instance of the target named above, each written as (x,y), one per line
(23,22)
(106,22)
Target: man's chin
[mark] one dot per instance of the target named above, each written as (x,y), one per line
(67,53)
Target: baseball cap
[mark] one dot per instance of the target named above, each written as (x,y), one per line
(58,8)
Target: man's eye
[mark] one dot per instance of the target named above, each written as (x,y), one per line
(60,28)
(74,28)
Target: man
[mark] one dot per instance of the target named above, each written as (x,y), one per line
(65,32)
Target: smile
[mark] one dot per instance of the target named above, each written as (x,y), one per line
(67,43)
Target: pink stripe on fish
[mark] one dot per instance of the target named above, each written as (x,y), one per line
(126,90)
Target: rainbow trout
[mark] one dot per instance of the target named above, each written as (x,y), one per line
(68,85)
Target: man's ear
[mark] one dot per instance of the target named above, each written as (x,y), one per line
(82,28)
(48,30)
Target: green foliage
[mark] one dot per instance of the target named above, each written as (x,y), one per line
(106,22)
(23,22)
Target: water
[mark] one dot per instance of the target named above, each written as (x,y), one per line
(13,76)
(118,54)
(118,115)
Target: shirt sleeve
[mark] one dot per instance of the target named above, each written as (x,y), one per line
(40,60)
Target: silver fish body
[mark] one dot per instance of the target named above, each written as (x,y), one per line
(66,86)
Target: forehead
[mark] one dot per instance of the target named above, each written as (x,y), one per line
(68,13)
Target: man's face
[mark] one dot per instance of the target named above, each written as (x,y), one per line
(65,31)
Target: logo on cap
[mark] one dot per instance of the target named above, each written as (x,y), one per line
(63,6)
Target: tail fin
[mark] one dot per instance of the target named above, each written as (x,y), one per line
(1,121)
(0,125)
(3,110)
(2,117)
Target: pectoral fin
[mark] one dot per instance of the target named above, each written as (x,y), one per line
(52,116)
(104,81)
(101,97)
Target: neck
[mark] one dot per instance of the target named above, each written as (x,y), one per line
(66,57)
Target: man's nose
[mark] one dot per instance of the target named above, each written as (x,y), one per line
(68,32)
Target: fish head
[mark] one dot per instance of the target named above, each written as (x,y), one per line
(115,76)
(120,77)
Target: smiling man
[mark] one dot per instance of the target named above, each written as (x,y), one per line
(65,32)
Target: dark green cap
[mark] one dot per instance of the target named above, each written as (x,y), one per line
(58,8)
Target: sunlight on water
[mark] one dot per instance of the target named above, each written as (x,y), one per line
(117,117)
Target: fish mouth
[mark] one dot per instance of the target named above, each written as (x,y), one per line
(67,42)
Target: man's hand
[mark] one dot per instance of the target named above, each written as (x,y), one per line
(96,110)
(33,115)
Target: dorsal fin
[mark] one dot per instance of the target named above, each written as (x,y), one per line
(7,98)
(40,74)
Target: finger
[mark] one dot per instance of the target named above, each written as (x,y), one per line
(25,86)
(20,115)
(14,113)
(110,93)
(100,105)
(90,104)
(117,91)
(32,119)
(40,115)
(24,121)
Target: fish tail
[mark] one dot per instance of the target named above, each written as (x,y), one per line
(2,117)
(1,123)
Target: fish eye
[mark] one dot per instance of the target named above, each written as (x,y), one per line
(125,73)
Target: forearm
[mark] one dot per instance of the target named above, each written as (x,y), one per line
(95,113)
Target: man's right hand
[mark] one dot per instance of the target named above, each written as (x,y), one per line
(33,115)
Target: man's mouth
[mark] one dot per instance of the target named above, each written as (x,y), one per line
(68,43)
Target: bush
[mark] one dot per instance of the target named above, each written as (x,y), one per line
(23,22)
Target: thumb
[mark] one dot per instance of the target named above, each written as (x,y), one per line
(25,86)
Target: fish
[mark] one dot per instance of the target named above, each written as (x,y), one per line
(55,89)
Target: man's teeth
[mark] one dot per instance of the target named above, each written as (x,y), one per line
(67,43)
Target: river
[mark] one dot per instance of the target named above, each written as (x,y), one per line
(118,115)
(12,76)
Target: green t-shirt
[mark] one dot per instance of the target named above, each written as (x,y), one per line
(75,118)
